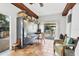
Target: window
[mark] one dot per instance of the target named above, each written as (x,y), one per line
(4,26)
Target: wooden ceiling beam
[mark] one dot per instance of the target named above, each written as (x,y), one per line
(67,8)
(23,7)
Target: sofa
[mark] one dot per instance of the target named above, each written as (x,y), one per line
(30,38)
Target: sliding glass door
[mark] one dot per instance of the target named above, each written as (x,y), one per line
(4,32)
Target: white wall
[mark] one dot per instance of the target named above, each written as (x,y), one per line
(75,26)
(75,21)
(31,27)
(11,11)
(68,25)
(55,18)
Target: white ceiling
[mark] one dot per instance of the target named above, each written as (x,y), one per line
(47,9)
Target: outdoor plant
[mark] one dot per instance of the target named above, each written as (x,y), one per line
(4,23)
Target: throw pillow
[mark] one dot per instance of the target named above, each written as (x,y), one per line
(70,41)
(66,40)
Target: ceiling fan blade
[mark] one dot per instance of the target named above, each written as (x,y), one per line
(41,4)
(30,3)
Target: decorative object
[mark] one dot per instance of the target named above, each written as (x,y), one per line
(69,18)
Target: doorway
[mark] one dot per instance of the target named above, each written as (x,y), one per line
(49,30)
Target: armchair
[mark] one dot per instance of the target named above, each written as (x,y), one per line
(63,49)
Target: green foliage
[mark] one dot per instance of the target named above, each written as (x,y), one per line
(2,17)
(4,22)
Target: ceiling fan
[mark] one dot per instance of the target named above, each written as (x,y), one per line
(41,4)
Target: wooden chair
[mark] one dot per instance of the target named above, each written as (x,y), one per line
(17,44)
(42,37)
